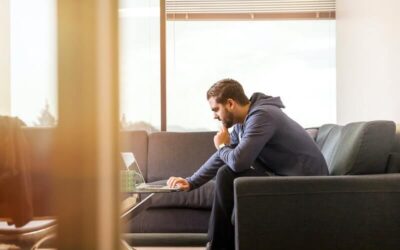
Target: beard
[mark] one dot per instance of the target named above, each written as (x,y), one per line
(229,120)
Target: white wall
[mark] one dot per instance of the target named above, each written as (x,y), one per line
(5,101)
(368,60)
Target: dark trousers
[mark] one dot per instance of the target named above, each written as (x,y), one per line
(221,232)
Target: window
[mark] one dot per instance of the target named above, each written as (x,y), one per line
(291,59)
(33,61)
(140,64)
(281,49)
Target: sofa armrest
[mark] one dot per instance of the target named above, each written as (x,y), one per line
(319,212)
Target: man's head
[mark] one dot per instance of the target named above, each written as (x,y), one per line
(228,102)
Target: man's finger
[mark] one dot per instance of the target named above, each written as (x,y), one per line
(171,180)
(168,181)
(178,182)
(174,182)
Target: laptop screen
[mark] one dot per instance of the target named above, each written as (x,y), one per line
(131,164)
(140,184)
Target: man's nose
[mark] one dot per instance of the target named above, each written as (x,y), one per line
(216,116)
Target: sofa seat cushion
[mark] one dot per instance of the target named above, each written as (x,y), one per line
(200,198)
(356,148)
(170,220)
(172,240)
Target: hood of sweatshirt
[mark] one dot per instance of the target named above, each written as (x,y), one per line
(260,99)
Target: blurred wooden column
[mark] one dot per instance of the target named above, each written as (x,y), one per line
(87,198)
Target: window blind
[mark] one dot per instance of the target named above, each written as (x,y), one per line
(250,9)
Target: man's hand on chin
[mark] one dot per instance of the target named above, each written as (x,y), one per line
(222,137)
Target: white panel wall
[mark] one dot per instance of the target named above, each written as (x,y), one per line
(368,60)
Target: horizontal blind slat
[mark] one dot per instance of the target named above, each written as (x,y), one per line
(241,6)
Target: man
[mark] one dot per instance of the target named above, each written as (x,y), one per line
(264,142)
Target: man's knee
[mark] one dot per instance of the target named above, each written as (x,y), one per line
(224,172)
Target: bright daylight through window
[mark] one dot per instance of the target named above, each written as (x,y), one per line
(33,62)
(291,59)
(139,24)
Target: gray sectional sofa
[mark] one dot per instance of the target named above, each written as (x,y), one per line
(359,201)
(174,218)
(357,207)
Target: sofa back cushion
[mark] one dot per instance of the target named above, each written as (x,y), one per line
(356,148)
(135,141)
(312,132)
(177,153)
(394,156)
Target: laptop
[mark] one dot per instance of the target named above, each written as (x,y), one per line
(140,184)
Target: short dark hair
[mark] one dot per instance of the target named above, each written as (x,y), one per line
(225,89)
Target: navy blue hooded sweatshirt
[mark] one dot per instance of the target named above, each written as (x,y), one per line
(267,139)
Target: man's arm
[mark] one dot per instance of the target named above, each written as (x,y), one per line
(260,127)
(234,136)
(206,172)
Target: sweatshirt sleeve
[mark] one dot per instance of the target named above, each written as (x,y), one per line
(234,135)
(206,172)
(259,129)
(210,168)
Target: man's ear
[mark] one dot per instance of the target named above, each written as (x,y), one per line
(231,103)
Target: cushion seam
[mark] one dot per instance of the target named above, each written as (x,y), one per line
(312,193)
(358,149)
